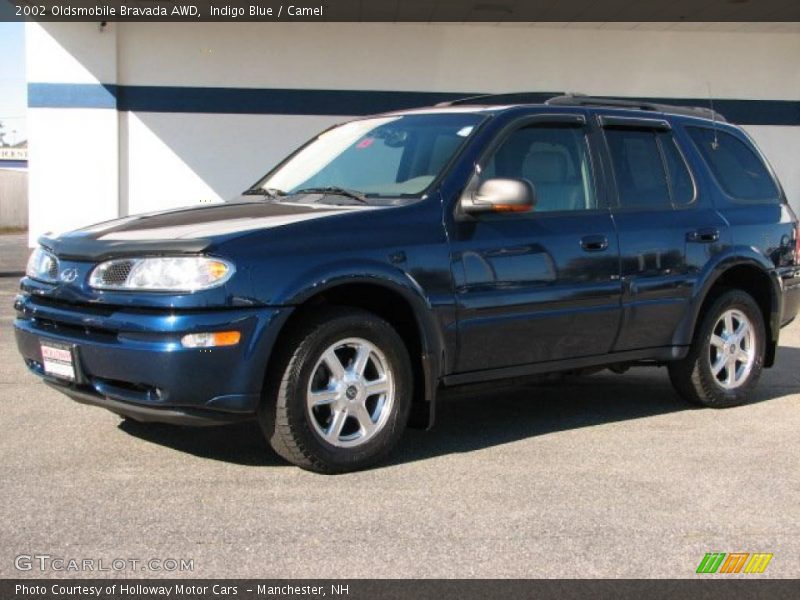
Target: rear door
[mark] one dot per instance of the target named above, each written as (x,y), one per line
(662,225)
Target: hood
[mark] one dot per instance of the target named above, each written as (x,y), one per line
(182,231)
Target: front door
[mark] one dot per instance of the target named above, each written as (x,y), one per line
(542,285)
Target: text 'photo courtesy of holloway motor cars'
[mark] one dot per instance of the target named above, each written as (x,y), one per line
(396,255)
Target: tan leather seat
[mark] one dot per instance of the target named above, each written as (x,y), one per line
(547,171)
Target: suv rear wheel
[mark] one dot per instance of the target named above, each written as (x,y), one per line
(727,354)
(342,393)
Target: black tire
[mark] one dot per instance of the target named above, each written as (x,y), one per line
(693,377)
(283,415)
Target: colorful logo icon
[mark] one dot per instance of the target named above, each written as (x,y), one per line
(735,562)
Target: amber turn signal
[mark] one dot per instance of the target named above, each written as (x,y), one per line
(211,339)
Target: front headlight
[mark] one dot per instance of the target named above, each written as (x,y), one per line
(161,274)
(42,265)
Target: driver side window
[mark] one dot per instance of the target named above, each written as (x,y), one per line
(555,159)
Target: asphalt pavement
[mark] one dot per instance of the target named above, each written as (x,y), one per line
(602,476)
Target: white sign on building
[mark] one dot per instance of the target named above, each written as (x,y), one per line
(13,154)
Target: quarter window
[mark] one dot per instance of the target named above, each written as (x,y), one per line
(739,170)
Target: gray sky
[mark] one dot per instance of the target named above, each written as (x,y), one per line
(13,89)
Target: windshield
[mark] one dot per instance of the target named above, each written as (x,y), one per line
(383,156)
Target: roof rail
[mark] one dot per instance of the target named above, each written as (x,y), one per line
(506,98)
(584,100)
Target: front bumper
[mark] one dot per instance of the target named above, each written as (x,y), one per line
(132,362)
(147,414)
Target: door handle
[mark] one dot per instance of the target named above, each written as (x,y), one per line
(594,243)
(706,235)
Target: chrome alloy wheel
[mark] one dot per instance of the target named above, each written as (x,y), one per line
(351,393)
(732,351)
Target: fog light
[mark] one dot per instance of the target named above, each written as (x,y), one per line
(211,339)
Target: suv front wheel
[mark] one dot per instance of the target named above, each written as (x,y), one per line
(727,355)
(341,394)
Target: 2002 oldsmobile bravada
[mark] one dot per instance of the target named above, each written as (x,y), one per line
(394,255)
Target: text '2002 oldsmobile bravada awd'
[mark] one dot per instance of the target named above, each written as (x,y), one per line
(396,255)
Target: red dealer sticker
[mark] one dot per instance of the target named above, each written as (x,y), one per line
(365,143)
(57,360)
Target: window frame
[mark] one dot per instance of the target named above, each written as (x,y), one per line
(661,129)
(693,202)
(750,145)
(568,120)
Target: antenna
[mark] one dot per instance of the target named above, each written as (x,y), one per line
(715,143)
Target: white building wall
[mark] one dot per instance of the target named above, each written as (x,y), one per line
(145,160)
(456,57)
(73,154)
(174,159)
(781,146)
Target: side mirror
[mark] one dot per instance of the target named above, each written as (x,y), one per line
(500,195)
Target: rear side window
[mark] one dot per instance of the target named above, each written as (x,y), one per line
(737,168)
(649,169)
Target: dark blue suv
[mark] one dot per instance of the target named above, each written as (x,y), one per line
(396,255)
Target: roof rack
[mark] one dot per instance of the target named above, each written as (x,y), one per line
(584,100)
(507,98)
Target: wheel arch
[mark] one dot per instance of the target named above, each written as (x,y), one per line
(750,273)
(397,298)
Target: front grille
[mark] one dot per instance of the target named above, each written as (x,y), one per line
(117,272)
(70,329)
(83,309)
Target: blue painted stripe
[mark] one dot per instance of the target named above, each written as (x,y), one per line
(13,164)
(72,95)
(745,112)
(260,101)
(271,101)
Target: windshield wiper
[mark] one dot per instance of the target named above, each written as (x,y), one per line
(336,191)
(269,192)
